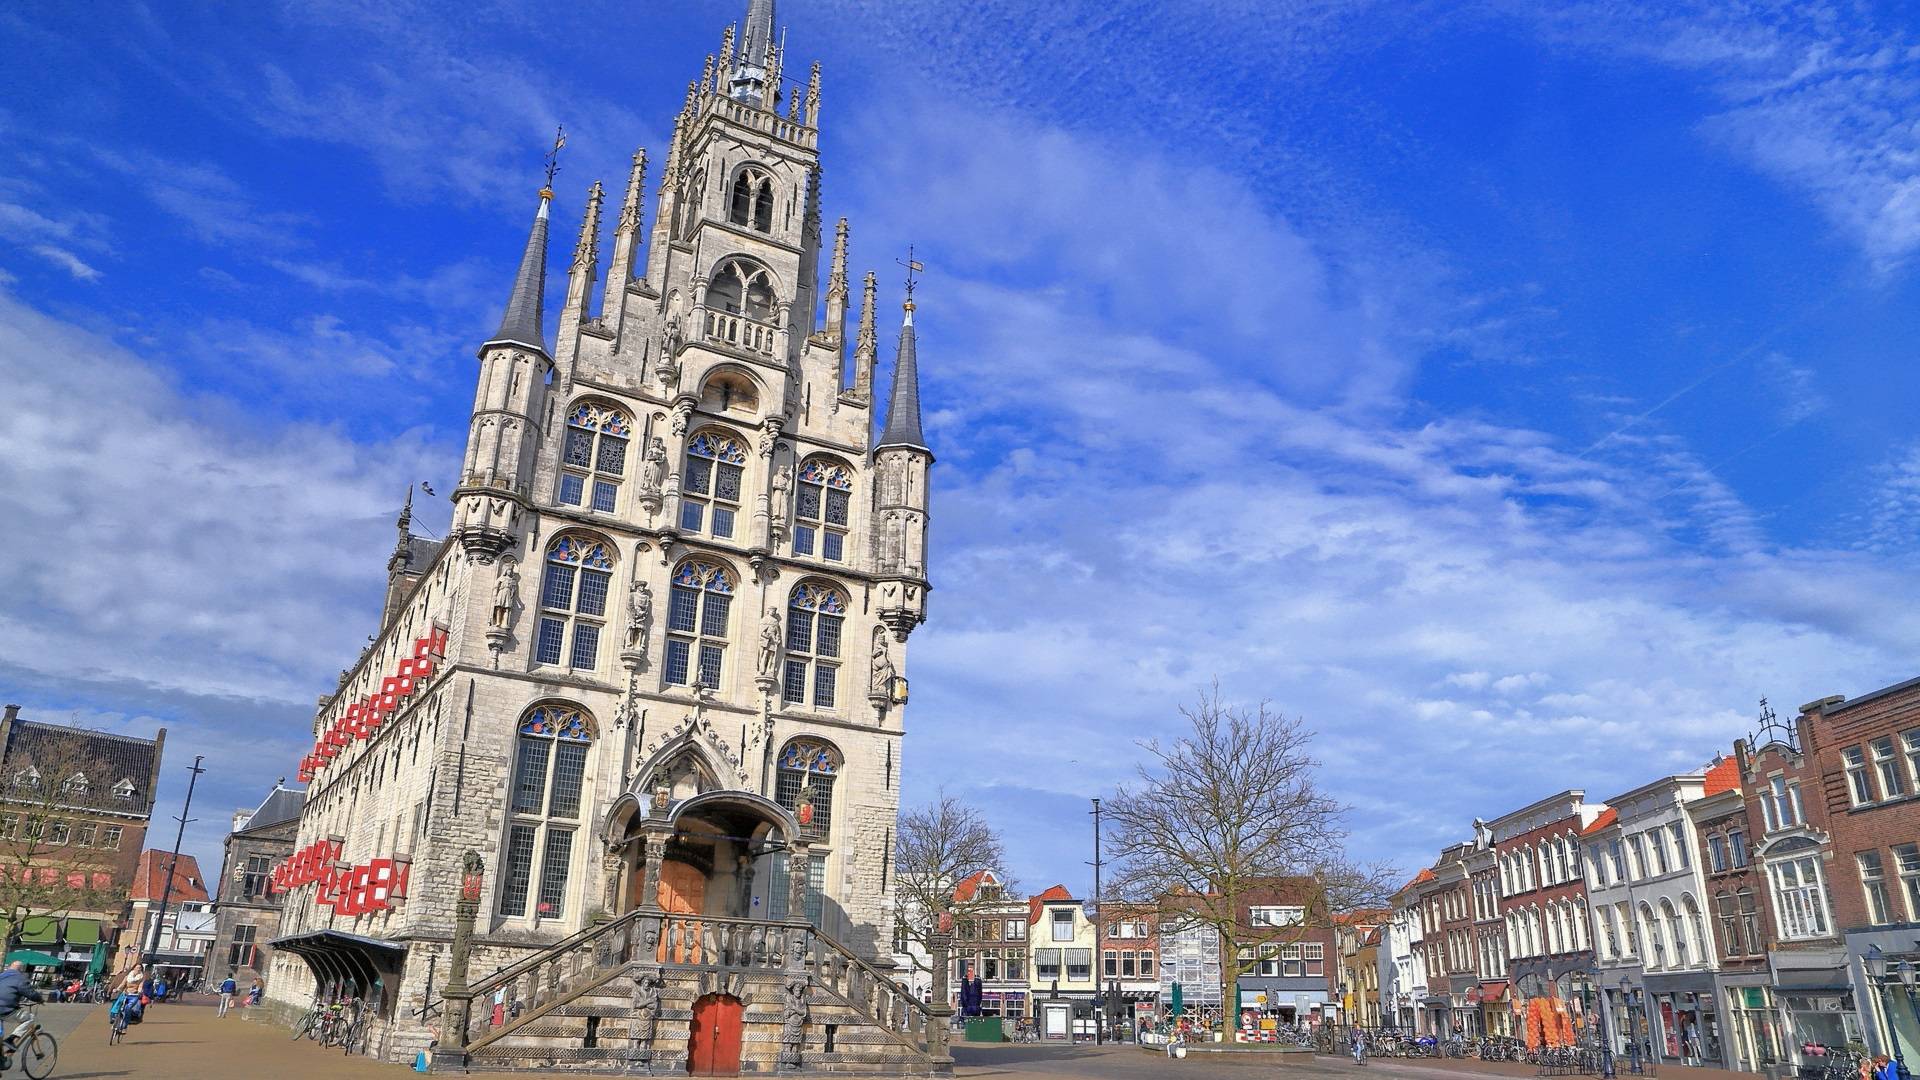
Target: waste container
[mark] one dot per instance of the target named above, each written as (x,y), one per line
(985,1029)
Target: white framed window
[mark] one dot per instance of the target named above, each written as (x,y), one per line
(1799,897)
(1911,741)
(711,486)
(1678,833)
(1873,886)
(1859,787)
(1276,916)
(550,768)
(1716,853)
(573,602)
(1906,859)
(1737,846)
(1887,765)
(816,614)
(123,790)
(75,784)
(593,456)
(1060,922)
(1780,803)
(699,602)
(1637,845)
(822,509)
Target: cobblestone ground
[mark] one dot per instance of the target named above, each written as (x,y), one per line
(1030,1061)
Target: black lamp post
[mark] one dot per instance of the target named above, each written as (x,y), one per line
(1633,1027)
(1881,982)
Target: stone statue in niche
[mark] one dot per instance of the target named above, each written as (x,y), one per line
(793,1025)
(883,669)
(506,593)
(653,472)
(769,643)
(782,485)
(639,615)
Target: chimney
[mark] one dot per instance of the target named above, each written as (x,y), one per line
(13,713)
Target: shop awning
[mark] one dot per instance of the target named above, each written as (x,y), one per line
(1493,991)
(83,933)
(32,959)
(39,930)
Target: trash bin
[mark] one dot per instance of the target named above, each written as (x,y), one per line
(985,1029)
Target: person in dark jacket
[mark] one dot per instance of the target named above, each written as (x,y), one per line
(15,989)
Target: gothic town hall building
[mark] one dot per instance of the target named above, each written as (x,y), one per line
(615,786)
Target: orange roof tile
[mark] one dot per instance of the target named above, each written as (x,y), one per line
(963,892)
(1034,904)
(1607,817)
(150,876)
(1724,776)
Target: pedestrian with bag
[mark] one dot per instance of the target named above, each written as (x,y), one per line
(227,990)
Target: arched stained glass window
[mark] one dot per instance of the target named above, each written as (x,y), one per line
(573,601)
(698,603)
(549,775)
(594,455)
(710,490)
(821,509)
(815,616)
(804,785)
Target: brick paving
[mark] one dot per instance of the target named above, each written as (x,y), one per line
(191,1042)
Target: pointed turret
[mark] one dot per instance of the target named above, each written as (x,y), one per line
(837,297)
(903,404)
(522,323)
(866,343)
(755,76)
(626,237)
(586,257)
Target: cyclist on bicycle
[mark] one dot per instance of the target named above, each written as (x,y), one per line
(14,988)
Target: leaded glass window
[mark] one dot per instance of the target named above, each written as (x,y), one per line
(573,602)
(593,456)
(710,489)
(804,785)
(549,772)
(815,615)
(821,510)
(698,603)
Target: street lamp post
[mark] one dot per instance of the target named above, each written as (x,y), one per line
(1633,1028)
(1881,982)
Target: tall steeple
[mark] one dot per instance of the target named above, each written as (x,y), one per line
(903,402)
(522,323)
(754,75)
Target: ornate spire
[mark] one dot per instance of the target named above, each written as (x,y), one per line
(403,548)
(755,74)
(812,115)
(756,35)
(865,343)
(587,252)
(521,325)
(636,181)
(903,404)
(726,60)
(837,300)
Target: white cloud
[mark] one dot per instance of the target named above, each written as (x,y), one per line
(66,260)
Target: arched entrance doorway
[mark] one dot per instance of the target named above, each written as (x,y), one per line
(717,852)
(713,1043)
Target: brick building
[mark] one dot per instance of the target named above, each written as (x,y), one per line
(173,941)
(1286,959)
(1793,854)
(75,806)
(990,942)
(1736,903)
(1129,956)
(247,906)
(1866,750)
(1453,981)
(1542,893)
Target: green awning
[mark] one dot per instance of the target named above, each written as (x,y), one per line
(32,959)
(82,932)
(99,962)
(39,930)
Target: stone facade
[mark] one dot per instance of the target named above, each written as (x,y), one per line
(684,490)
(248,906)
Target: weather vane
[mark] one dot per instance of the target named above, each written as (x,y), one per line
(553,155)
(913,267)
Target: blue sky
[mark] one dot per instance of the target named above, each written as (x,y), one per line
(1517,391)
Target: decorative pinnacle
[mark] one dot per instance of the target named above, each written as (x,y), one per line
(636,181)
(837,276)
(587,251)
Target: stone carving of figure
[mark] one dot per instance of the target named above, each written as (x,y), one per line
(769,643)
(782,484)
(883,669)
(794,1024)
(653,473)
(639,615)
(506,592)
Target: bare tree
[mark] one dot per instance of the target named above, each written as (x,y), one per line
(940,845)
(53,858)
(1229,811)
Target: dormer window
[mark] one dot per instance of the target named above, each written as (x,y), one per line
(28,777)
(123,790)
(75,784)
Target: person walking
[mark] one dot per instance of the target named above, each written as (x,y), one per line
(227,990)
(1357,1040)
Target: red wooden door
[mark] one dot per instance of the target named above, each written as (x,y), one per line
(714,1046)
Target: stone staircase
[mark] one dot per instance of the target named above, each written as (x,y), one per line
(619,997)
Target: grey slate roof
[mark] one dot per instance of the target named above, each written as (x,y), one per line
(280,806)
(525,315)
(103,759)
(756,33)
(903,403)
(420,553)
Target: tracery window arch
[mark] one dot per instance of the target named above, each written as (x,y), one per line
(698,603)
(822,509)
(740,287)
(594,456)
(816,614)
(751,203)
(712,481)
(803,783)
(549,772)
(573,601)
